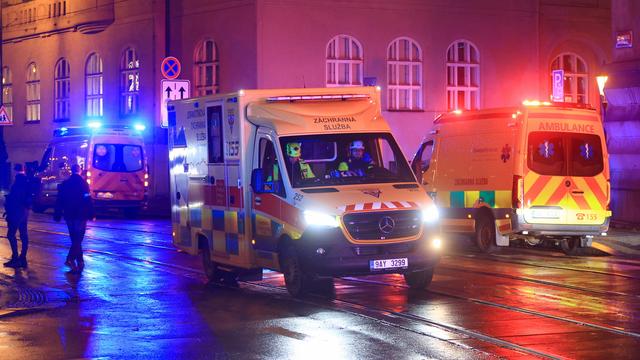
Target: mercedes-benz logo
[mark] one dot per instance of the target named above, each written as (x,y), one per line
(386,224)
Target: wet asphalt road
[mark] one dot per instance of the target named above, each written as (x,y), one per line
(140,298)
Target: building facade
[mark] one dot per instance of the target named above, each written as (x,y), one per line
(68,62)
(622,117)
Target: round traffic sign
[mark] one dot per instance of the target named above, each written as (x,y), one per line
(170,67)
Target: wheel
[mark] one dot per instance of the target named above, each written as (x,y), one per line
(297,281)
(486,234)
(214,274)
(419,280)
(571,246)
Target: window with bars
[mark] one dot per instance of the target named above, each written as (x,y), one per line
(94,86)
(206,68)
(404,75)
(576,77)
(463,76)
(344,65)
(33,93)
(62,90)
(129,82)
(7,91)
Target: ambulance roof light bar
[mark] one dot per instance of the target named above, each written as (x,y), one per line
(557,104)
(318,97)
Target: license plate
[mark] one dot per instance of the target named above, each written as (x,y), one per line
(388,264)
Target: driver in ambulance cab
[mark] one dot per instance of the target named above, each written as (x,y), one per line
(358,161)
(300,170)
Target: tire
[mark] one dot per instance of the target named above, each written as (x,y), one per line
(214,274)
(571,246)
(297,281)
(209,266)
(486,234)
(419,280)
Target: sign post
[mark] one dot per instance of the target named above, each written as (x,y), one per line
(171,88)
(558,85)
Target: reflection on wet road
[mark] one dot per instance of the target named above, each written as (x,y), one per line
(140,298)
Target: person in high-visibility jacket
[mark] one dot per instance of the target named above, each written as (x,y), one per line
(300,169)
(358,161)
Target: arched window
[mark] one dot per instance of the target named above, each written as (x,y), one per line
(404,75)
(576,77)
(344,61)
(463,76)
(62,90)
(7,91)
(206,68)
(94,86)
(33,93)
(129,82)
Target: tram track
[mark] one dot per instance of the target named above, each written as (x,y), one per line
(496,258)
(383,316)
(450,327)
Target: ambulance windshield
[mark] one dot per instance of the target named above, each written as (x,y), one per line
(565,154)
(342,159)
(117,157)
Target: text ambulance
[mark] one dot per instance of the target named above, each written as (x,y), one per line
(536,172)
(309,182)
(113,160)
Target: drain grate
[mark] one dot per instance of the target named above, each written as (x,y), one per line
(23,297)
(34,298)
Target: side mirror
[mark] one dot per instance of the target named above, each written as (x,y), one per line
(258,185)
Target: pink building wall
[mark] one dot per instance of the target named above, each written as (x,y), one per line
(282,43)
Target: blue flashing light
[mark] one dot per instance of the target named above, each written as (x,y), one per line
(139,126)
(94,124)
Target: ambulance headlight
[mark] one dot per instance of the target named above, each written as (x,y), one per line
(430,214)
(315,218)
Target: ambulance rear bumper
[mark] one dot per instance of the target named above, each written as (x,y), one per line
(327,252)
(519,225)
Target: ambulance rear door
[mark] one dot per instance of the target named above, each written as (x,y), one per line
(566,172)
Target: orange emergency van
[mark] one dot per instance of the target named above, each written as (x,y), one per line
(309,182)
(113,162)
(535,172)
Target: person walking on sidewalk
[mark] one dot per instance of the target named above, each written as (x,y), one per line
(75,205)
(17,204)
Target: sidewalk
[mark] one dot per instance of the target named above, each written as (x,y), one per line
(619,241)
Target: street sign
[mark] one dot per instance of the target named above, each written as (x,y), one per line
(4,117)
(172,90)
(170,68)
(558,85)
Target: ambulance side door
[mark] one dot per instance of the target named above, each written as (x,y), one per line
(423,165)
(266,207)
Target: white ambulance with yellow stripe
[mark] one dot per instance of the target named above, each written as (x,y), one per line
(309,182)
(535,172)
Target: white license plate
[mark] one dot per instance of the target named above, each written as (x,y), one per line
(388,264)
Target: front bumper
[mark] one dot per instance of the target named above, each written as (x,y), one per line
(327,252)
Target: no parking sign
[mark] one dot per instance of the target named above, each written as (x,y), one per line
(170,68)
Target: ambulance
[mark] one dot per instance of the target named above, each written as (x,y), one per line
(308,182)
(535,172)
(113,161)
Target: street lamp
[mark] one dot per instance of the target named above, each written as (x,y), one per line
(602,80)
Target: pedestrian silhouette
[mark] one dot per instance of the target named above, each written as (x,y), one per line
(17,204)
(74,204)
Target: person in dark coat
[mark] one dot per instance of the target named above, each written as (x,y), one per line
(74,204)
(17,204)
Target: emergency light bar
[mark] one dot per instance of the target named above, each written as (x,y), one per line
(557,104)
(317,97)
